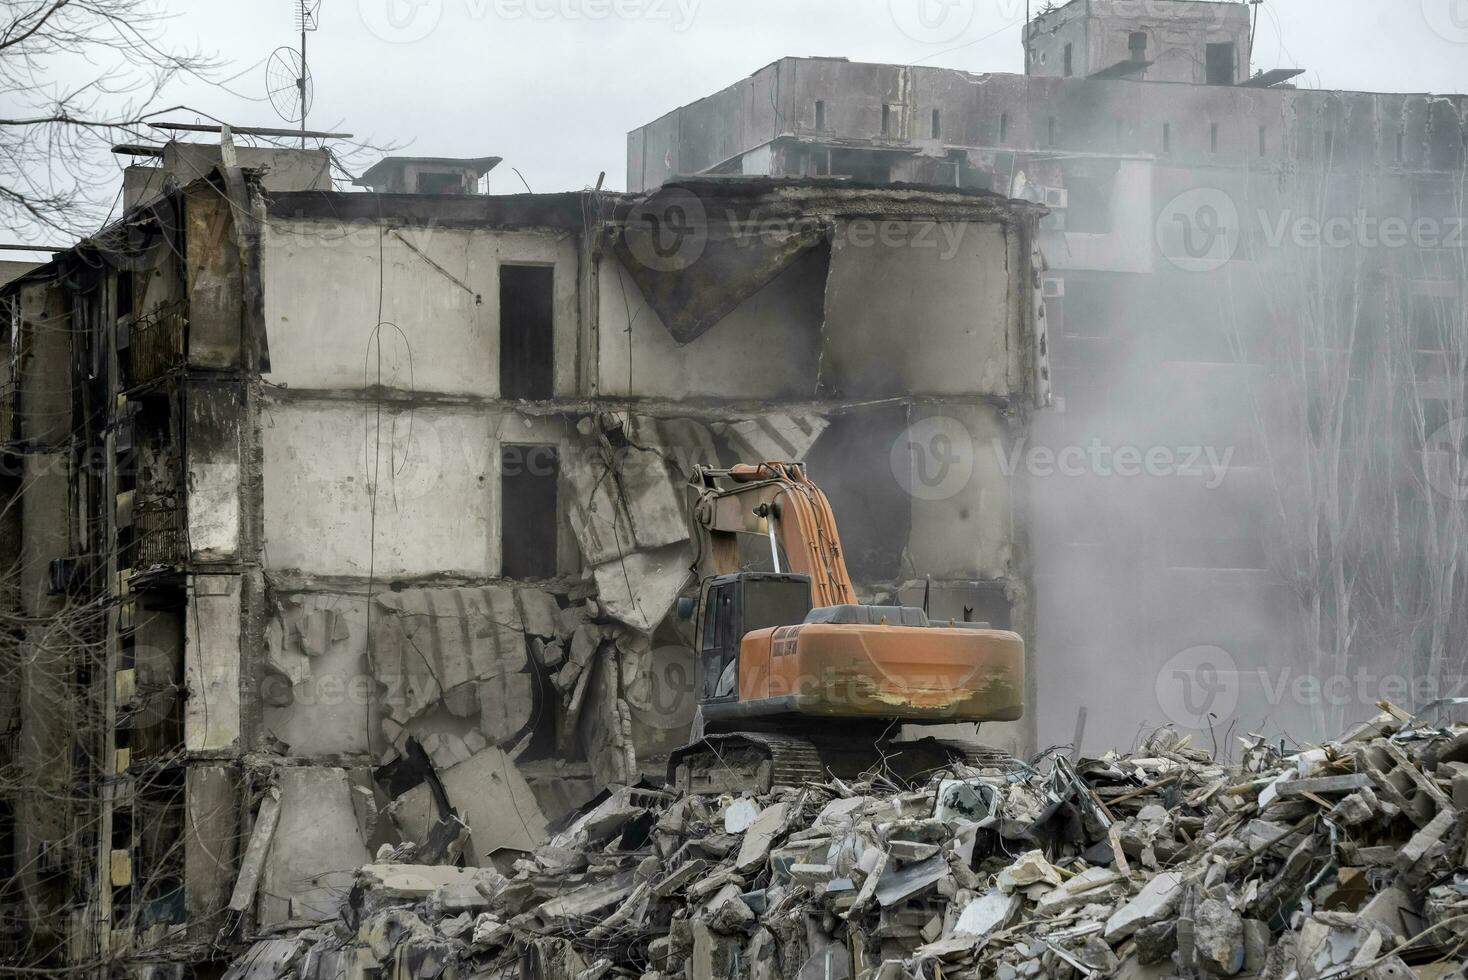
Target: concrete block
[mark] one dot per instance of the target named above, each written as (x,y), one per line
(641,588)
(1157,900)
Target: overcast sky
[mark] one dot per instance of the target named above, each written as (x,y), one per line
(553,86)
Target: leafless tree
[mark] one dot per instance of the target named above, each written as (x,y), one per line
(54,134)
(1362,413)
(56,179)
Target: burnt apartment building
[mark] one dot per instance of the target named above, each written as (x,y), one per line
(1186,278)
(344,518)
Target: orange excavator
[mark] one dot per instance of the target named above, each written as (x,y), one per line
(796,679)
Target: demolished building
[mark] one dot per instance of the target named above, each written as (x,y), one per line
(1187,190)
(356,519)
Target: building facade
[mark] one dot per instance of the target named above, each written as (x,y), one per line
(345,520)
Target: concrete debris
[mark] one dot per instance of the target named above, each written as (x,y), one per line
(462,650)
(773,436)
(1165,863)
(492,799)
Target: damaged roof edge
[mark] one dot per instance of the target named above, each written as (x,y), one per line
(566,210)
(52,269)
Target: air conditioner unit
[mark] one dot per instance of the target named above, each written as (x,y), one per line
(1056,198)
(1053,288)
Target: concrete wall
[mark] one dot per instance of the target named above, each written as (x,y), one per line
(935,312)
(10,270)
(323,489)
(1120,117)
(1050,33)
(767,349)
(439,289)
(1178,34)
(282,169)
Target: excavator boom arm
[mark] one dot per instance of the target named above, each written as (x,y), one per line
(779,500)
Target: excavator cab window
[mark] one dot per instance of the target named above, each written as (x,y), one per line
(720,647)
(775,600)
(737,605)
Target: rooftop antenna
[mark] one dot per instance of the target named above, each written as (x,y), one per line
(1254,30)
(1025,37)
(287,76)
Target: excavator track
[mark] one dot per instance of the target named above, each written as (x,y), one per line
(981,757)
(745,761)
(756,762)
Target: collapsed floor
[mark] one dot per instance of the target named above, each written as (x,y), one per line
(1342,860)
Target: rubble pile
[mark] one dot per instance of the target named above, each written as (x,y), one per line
(1342,860)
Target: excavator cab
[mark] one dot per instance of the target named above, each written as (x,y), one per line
(733,606)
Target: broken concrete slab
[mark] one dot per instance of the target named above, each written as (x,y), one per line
(901,883)
(1028,870)
(740,815)
(760,837)
(1091,885)
(316,849)
(640,588)
(1218,938)
(987,915)
(418,880)
(539,613)
(775,436)
(1157,900)
(253,863)
(492,799)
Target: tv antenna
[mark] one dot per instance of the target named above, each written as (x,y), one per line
(288,76)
